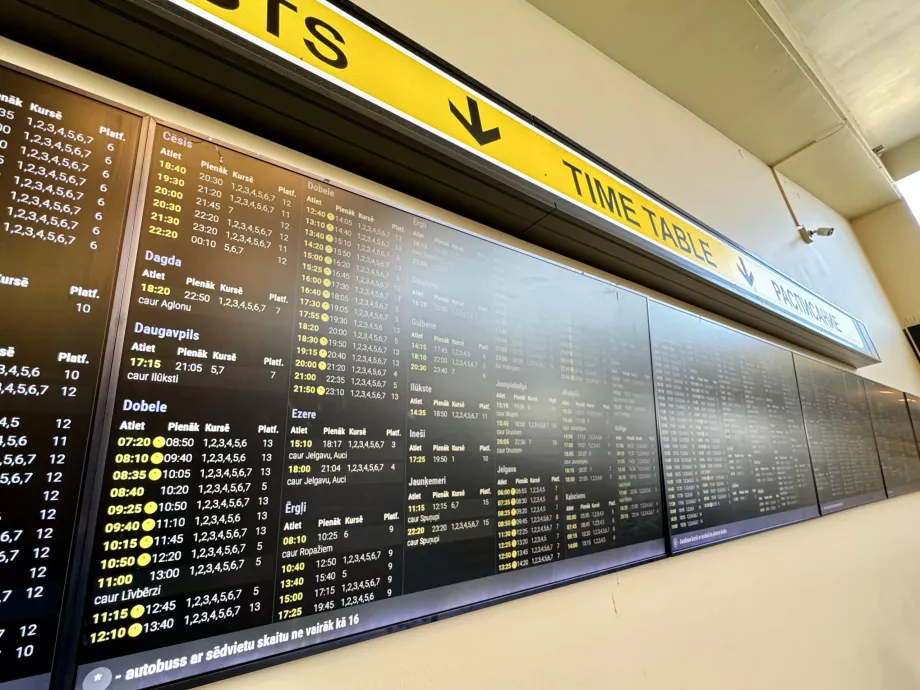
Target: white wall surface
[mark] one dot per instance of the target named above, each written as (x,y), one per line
(832,604)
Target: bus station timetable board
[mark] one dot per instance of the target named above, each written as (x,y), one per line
(329,417)
(840,436)
(332,416)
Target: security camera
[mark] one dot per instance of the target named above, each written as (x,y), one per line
(808,236)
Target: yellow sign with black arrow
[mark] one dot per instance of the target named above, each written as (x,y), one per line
(329,43)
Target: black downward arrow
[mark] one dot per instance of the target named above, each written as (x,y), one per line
(474,124)
(746,272)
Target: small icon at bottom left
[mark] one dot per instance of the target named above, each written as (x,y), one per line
(98,679)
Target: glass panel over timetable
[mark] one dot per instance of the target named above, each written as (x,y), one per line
(332,416)
(733,446)
(66,166)
(894,437)
(840,436)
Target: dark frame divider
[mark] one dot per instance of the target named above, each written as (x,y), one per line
(915,424)
(878,451)
(665,522)
(88,514)
(814,479)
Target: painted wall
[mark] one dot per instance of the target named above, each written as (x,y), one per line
(833,603)
(891,239)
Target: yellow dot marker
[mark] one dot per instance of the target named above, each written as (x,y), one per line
(326,294)
(514,565)
(159,442)
(328,260)
(146,542)
(135,629)
(327,271)
(143,560)
(330,226)
(514,543)
(513,501)
(329,238)
(330,215)
(326,305)
(514,523)
(328,249)
(148,524)
(155,475)
(138,611)
(327,282)
(322,366)
(513,491)
(150,508)
(324,340)
(323,353)
(324,317)
(514,533)
(514,554)
(514,511)
(321,391)
(156,458)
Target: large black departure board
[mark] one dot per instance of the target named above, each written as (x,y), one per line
(733,447)
(332,416)
(894,437)
(840,436)
(66,164)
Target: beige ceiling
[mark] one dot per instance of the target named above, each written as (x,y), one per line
(869,51)
(763,73)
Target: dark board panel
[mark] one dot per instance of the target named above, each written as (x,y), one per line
(840,436)
(733,447)
(332,416)
(913,407)
(894,437)
(66,164)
